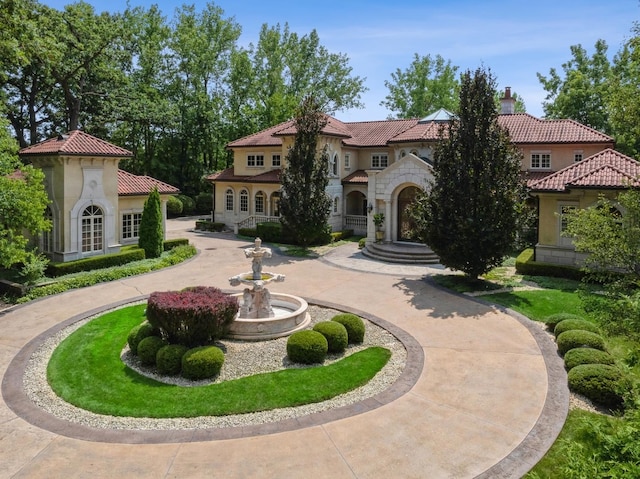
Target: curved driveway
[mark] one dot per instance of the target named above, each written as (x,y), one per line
(488,402)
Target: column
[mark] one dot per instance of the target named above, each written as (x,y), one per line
(387,219)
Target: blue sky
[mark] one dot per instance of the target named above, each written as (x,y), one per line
(514,39)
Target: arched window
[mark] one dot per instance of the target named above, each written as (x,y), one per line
(275,203)
(403,153)
(228,204)
(244,201)
(334,165)
(336,205)
(259,205)
(47,236)
(92,229)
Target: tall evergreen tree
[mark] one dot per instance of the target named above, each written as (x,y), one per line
(304,206)
(151,233)
(469,216)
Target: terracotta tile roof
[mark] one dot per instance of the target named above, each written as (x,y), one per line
(534,176)
(358,177)
(524,128)
(133,185)
(271,176)
(75,142)
(606,169)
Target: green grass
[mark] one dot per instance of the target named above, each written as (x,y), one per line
(86,371)
(538,304)
(464,284)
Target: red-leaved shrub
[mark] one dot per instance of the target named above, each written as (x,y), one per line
(192,317)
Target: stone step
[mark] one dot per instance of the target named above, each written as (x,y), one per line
(401,253)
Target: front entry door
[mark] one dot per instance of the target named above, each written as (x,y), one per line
(405,225)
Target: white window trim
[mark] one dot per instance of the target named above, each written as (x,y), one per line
(273,163)
(229,193)
(347,161)
(379,156)
(540,154)
(133,229)
(252,157)
(244,194)
(564,241)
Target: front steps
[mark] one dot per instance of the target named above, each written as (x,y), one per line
(401,253)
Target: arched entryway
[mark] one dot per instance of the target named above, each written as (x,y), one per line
(405,225)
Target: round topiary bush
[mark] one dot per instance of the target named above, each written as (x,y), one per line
(576,357)
(174,206)
(335,334)
(203,362)
(353,324)
(553,320)
(138,333)
(577,338)
(169,358)
(148,349)
(307,347)
(571,324)
(601,383)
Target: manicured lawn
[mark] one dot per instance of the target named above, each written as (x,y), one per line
(86,371)
(538,304)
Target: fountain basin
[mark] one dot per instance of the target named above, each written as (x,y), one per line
(290,315)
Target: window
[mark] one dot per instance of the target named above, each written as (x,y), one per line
(47,236)
(131,225)
(259,203)
(336,205)
(92,229)
(347,161)
(228,204)
(333,165)
(244,201)
(403,153)
(563,210)
(577,156)
(255,159)
(541,160)
(275,160)
(379,160)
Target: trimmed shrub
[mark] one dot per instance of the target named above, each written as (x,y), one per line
(169,358)
(148,349)
(249,232)
(553,320)
(174,243)
(204,203)
(174,206)
(577,338)
(192,317)
(96,262)
(203,362)
(206,225)
(576,357)
(353,324)
(307,347)
(151,236)
(525,265)
(138,333)
(335,334)
(188,204)
(601,383)
(269,232)
(572,324)
(362,243)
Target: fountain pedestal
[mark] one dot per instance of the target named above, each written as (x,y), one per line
(262,314)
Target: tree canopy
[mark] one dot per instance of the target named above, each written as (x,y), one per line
(174,91)
(304,206)
(469,214)
(22,202)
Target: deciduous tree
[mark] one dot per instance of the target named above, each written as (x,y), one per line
(469,214)
(304,206)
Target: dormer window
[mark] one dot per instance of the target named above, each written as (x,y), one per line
(577,156)
(275,161)
(540,160)
(255,159)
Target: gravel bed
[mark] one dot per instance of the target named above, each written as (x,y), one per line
(241,359)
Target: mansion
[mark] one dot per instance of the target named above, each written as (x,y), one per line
(378,166)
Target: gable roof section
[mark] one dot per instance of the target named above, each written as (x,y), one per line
(227,175)
(607,169)
(376,133)
(76,143)
(333,127)
(524,128)
(133,185)
(358,177)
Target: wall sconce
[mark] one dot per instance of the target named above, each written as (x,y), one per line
(370,208)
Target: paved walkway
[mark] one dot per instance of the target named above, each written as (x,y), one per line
(484,394)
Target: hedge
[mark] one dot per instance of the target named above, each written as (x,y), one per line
(601,383)
(174,243)
(525,265)
(577,356)
(579,339)
(269,232)
(95,262)
(207,225)
(575,324)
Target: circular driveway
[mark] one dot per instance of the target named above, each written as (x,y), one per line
(484,394)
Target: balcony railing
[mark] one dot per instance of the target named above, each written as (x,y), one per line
(356,223)
(252,221)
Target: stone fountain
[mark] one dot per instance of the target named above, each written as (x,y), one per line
(262,314)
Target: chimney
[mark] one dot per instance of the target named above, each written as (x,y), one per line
(507,103)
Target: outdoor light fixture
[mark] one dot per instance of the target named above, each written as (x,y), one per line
(370,208)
